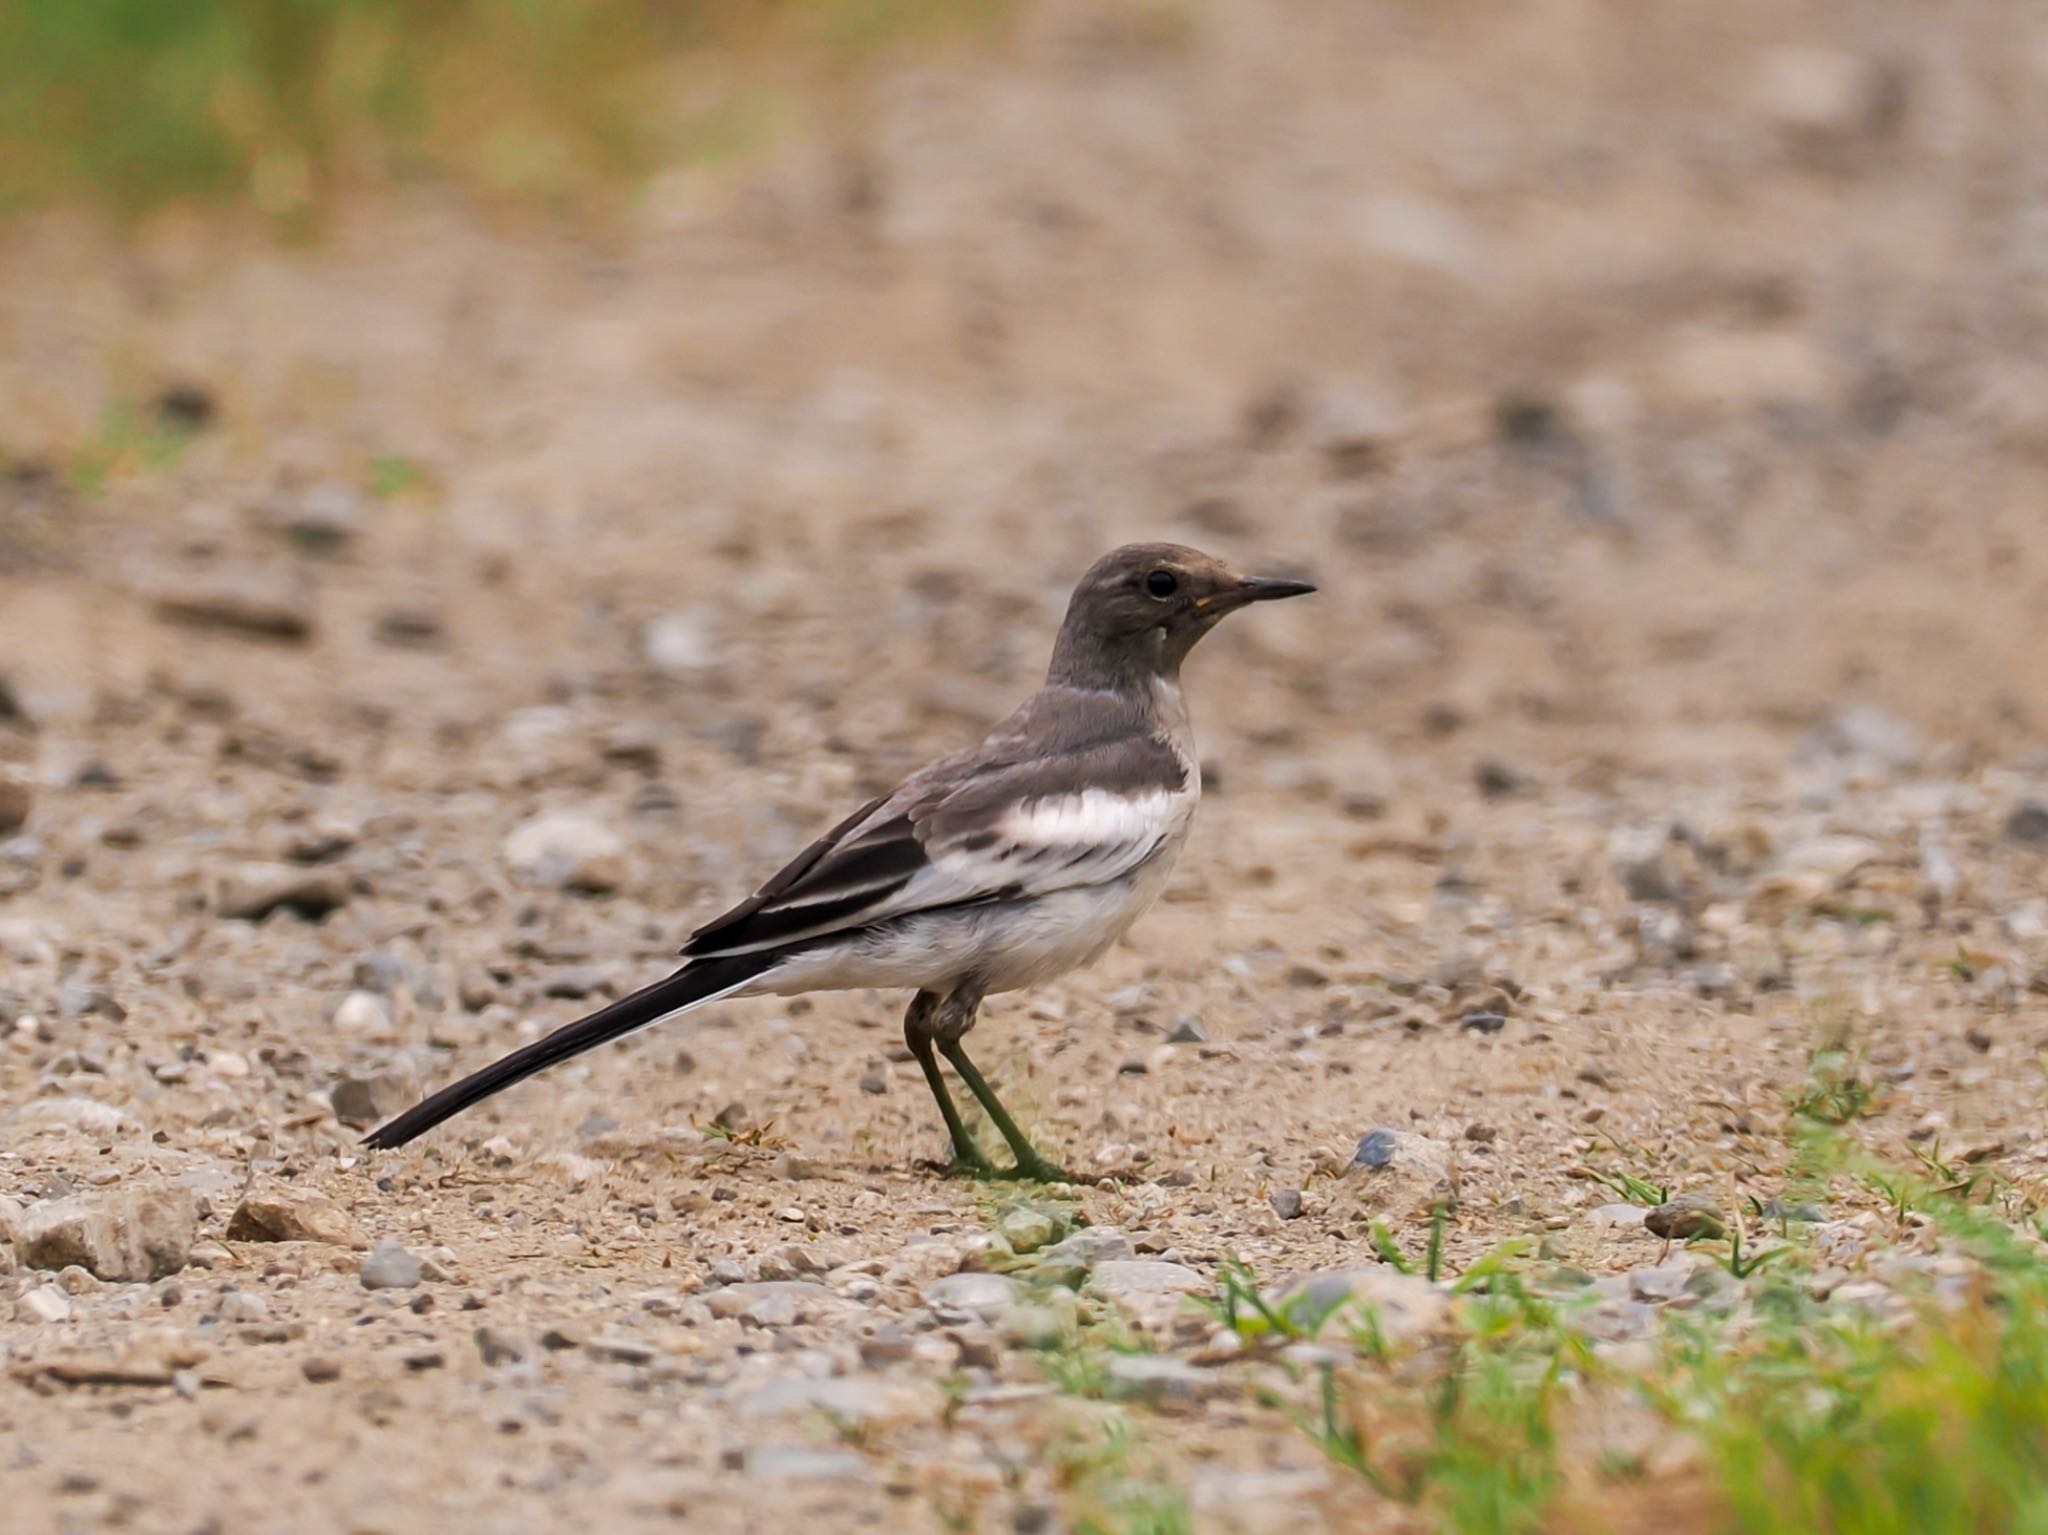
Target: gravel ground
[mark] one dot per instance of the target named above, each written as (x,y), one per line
(1657,402)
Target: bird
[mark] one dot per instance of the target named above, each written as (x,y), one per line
(999,867)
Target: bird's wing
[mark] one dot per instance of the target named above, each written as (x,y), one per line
(1010,820)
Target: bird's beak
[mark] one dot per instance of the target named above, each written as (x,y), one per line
(1267,589)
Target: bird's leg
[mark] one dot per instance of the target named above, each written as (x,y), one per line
(956,1017)
(919,1025)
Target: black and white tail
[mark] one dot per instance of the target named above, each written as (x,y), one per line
(705,980)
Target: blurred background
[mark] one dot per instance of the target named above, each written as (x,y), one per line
(1678,370)
(482,482)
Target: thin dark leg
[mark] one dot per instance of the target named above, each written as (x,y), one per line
(917,1034)
(1029,1163)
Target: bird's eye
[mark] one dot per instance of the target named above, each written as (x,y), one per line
(1162,583)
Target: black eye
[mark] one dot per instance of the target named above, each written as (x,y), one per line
(1162,583)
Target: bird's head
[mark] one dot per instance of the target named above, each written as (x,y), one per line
(1139,610)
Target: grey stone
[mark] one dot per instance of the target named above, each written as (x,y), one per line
(1033,1327)
(1027,1230)
(497,1346)
(1402,1174)
(321,517)
(777,1464)
(1068,1261)
(567,851)
(1658,1285)
(253,891)
(363,1101)
(390,1267)
(87,1116)
(1404,1307)
(1139,1280)
(1286,1203)
(846,1398)
(986,1296)
(260,602)
(45,1303)
(1158,1380)
(771,1303)
(120,1234)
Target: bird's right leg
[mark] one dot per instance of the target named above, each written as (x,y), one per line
(920,1025)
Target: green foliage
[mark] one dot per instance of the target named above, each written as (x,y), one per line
(393,474)
(282,102)
(128,441)
(1243,1307)
(1837,1092)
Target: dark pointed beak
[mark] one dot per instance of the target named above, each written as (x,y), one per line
(1270,589)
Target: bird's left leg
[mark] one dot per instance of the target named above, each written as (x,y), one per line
(955,1018)
(920,1025)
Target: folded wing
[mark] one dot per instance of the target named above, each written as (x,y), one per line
(990,826)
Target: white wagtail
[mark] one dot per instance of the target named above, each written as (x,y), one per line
(993,869)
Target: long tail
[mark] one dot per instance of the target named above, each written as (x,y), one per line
(703,981)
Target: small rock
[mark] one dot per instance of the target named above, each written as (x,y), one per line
(45,1303)
(321,518)
(986,1296)
(1683,1218)
(775,1465)
(2027,823)
(1376,1149)
(1286,1203)
(1069,1261)
(678,644)
(263,604)
(409,628)
(1658,1285)
(499,1347)
(1027,1230)
(253,891)
(1158,1380)
(566,851)
(1406,1307)
(876,1078)
(390,1267)
(361,1014)
(124,1234)
(243,1306)
(319,1369)
(291,1215)
(16,800)
(845,1398)
(1621,1216)
(620,1350)
(1033,1327)
(1400,1173)
(364,1101)
(1189,1031)
(771,1303)
(1137,1280)
(86,1116)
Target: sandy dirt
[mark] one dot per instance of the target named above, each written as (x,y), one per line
(1658,402)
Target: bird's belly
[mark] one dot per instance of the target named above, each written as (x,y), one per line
(1006,945)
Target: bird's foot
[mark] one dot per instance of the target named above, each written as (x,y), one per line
(1035,1169)
(982,1170)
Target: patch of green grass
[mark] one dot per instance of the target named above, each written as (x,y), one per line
(1241,1305)
(283,103)
(393,474)
(1805,1416)
(1837,1091)
(128,441)
(1105,1468)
